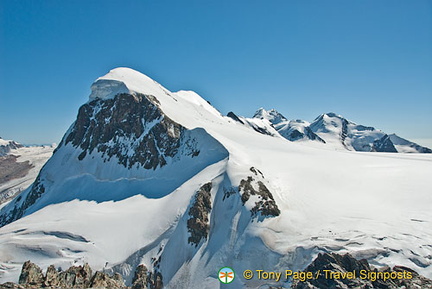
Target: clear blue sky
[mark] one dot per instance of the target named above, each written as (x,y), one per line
(369,60)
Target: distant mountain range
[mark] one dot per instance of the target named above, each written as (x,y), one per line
(331,129)
(146,176)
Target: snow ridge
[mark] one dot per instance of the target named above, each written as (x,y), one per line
(149,176)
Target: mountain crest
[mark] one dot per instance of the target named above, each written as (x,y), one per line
(272,115)
(125,80)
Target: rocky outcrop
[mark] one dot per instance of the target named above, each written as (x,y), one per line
(51,277)
(198,224)
(75,277)
(115,127)
(31,274)
(384,144)
(331,270)
(103,280)
(140,279)
(143,279)
(265,204)
(155,280)
(234,117)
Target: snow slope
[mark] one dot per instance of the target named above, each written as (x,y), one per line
(376,206)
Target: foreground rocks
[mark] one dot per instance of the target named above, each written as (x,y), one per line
(336,271)
(74,277)
(80,277)
(329,271)
(198,223)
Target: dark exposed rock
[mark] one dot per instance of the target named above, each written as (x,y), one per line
(256,171)
(155,280)
(397,140)
(259,129)
(76,277)
(344,131)
(10,285)
(103,280)
(266,205)
(311,135)
(31,274)
(143,279)
(384,144)
(114,127)
(234,117)
(359,270)
(140,279)
(198,224)
(51,277)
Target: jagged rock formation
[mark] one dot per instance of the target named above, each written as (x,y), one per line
(51,277)
(114,127)
(198,225)
(75,277)
(264,202)
(140,279)
(80,277)
(344,271)
(383,144)
(31,274)
(102,280)
(234,117)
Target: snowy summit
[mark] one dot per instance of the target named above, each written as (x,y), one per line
(159,178)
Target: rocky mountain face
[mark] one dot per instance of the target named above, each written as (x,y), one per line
(348,272)
(130,127)
(162,189)
(129,130)
(330,128)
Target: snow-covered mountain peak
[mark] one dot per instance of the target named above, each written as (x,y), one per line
(125,80)
(7,145)
(271,115)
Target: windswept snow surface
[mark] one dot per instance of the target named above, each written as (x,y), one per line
(375,206)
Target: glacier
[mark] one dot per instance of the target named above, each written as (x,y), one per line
(106,202)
